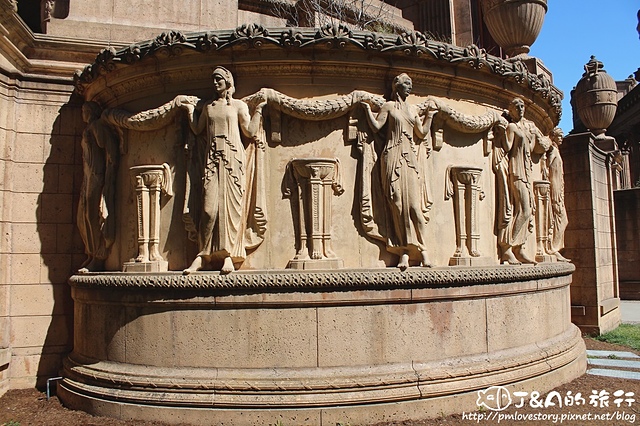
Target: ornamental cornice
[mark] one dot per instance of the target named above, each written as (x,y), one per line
(342,279)
(414,45)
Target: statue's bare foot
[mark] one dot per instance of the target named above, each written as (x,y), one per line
(524,258)
(92,266)
(143,253)
(560,257)
(403,264)
(458,252)
(508,257)
(425,263)
(227,266)
(475,253)
(195,266)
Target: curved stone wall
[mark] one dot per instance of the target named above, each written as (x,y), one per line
(361,346)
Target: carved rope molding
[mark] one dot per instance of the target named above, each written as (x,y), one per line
(254,36)
(370,278)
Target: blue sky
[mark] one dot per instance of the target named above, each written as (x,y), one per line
(574,30)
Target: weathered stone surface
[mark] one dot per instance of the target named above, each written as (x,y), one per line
(304,346)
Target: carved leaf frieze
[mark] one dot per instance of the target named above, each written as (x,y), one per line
(252,35)
(331,36)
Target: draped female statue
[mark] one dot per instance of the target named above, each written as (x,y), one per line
(402,172)
(554,172)
(513,167)
(221,218)
(96,208)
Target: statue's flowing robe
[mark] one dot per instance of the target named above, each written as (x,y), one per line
(559,219)
(403,179)
(520,182)
(96,206)
(225,199)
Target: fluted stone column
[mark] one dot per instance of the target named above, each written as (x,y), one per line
(542,194)
(150,180)
(316,179)
(465,192)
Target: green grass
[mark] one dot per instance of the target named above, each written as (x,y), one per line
(626,334)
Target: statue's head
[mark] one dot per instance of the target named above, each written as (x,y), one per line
(556,136)
(223,82)
(516,109)
(91,111)
(402,85)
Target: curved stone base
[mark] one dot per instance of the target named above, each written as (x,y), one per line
(317,348)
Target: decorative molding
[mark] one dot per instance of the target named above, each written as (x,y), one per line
(253,36)
(256,388)
(343,279)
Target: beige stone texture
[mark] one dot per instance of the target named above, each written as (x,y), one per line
(37,227)
(349,347)
(124,21)
(25,268)
(32,331)
(247,16)
(590,238)
(387,333)
(30,300)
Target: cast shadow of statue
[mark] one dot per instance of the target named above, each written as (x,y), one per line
(61,246)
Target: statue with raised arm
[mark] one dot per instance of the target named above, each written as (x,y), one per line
(96,208)
(554,172)
(513,166)
(219,211)
(402,172)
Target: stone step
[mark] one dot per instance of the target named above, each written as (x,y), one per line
(611,354)
(614,359)
(620,374)
(606,362)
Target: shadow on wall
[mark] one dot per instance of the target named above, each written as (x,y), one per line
(33,12)
(62,250)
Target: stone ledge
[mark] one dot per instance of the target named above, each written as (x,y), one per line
(342,279)
(5,356)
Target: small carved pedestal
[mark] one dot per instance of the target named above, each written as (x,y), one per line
(465,189)
(150,181)
(316,179)
(541,191)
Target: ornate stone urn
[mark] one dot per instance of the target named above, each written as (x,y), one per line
(595,98)
(514,24)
